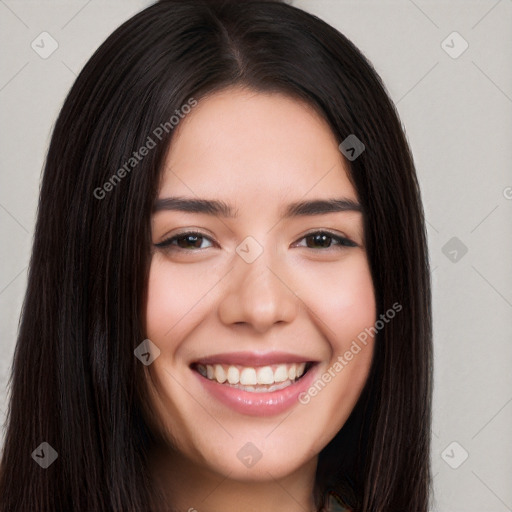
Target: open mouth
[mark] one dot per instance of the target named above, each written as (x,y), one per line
(256,379)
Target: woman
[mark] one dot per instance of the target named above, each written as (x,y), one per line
(228,305)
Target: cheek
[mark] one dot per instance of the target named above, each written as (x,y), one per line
(342,297)
(173,295)
(343,301)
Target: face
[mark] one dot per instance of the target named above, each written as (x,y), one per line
(257,292)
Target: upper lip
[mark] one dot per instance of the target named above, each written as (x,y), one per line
(253,358)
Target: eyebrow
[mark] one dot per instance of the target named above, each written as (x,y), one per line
(321,206)
(220,208)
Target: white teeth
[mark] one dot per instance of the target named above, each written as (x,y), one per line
(220,374)
(281,373)
(249,376)
(233,375)
(265,375)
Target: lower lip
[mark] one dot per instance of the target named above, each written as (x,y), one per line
(259,404)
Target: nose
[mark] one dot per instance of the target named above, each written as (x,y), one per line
(258,294)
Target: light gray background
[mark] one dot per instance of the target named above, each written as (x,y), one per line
(457,114)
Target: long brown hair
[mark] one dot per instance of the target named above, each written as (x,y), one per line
(75,382)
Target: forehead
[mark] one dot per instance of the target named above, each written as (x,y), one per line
(237,142)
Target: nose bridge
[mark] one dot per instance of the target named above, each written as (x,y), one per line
(258,294)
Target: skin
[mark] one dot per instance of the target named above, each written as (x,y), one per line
(257,152)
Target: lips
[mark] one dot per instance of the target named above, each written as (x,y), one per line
(253,358)
(258,400)
(256,383)
(253,368)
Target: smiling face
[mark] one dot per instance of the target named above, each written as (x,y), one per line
(249,292)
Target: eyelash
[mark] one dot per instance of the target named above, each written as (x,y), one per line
(168,243)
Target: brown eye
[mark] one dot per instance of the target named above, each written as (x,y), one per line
(324,239)
(190,240)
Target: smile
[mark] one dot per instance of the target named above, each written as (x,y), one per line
(256,390)
(254,379)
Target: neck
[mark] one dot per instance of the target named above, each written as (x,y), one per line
(188,487)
